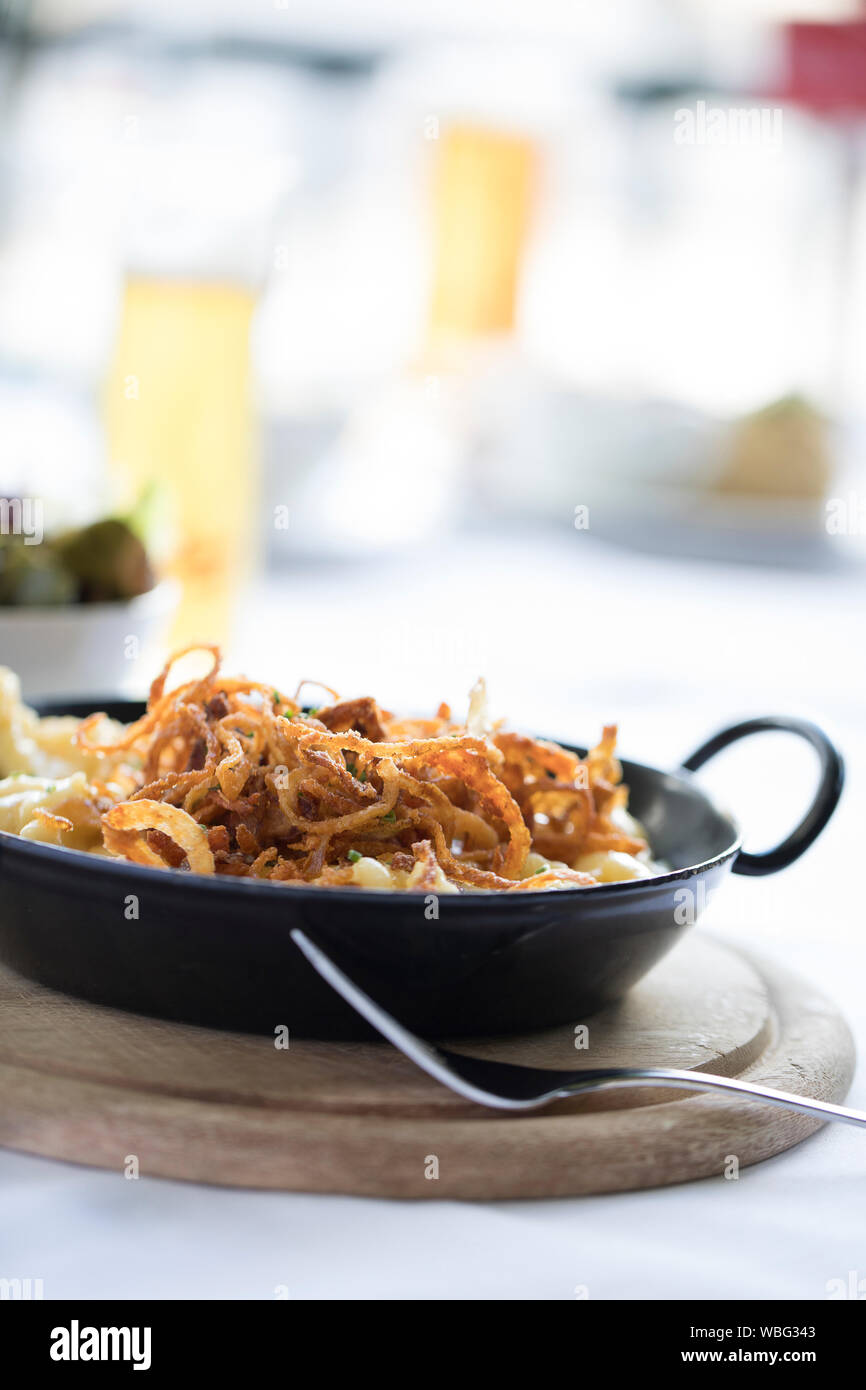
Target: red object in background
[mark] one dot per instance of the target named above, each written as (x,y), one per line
(826,73)
(826,66)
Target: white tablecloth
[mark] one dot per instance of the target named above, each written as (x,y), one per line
(569,634)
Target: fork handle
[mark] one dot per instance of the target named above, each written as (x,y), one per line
(702,1081)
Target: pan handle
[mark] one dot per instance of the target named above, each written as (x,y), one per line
(823,804)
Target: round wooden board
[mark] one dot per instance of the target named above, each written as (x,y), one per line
(97,1086)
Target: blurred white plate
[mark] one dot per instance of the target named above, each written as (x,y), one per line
(86,647)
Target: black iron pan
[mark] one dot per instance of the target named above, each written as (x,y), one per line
(217,951)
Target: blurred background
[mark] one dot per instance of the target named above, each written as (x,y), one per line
(391,343)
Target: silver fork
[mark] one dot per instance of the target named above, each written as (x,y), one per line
(506,1086)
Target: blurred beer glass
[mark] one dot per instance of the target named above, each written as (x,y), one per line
(484,184)
(179,399)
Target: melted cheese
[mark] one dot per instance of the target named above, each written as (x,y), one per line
(58,813)
(611,866)
(45,747)
(372,873)
(607,866)
(45,791)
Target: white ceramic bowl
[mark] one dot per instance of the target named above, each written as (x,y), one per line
(88,648)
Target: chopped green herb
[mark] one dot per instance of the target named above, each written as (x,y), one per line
(363,775)
(314,709)
(52,788)
(352,768)
(353,856)
(543,870)
(390,815)
(278,699)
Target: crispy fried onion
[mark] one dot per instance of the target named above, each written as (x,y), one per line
(235,777)
(126,831)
